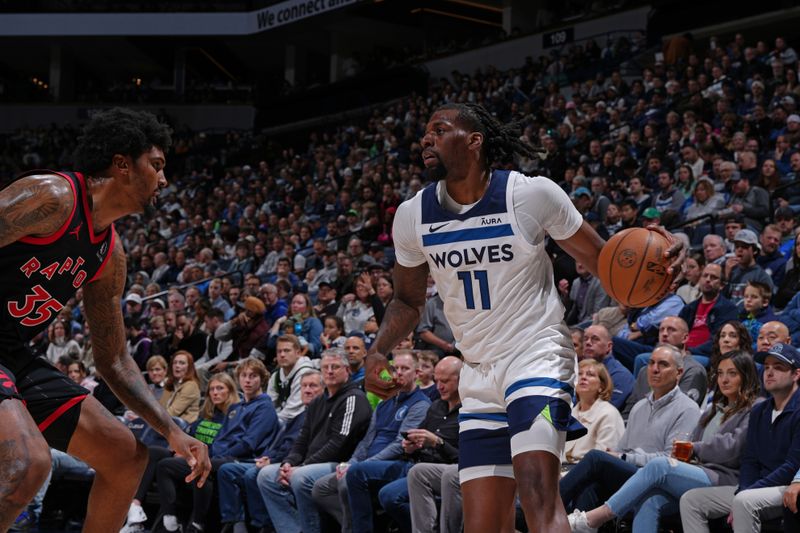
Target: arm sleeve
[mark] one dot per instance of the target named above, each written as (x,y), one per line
(414,417)
(406,244)
(542,206)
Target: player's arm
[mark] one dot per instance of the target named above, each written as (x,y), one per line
(118,369)
(35,205)
(402,315)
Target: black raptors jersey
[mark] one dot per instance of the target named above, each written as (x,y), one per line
(39,275)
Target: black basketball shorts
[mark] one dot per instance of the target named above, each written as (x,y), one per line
(52,399)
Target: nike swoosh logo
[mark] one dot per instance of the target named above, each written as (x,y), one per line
(434,229)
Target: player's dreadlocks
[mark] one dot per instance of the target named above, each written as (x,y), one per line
(500,141)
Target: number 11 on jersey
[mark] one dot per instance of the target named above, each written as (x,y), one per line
(483,286)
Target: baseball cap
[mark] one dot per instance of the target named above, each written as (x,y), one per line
(747,236)
(133,298)
(352,212)
(324,284)
(651,212)
(159,302)
(793,118)
(784,352)
(580,191)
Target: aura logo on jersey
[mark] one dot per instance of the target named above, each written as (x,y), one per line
(495,253)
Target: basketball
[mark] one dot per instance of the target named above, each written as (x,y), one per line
(632,267)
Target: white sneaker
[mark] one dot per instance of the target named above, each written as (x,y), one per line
(578,524)
(133,528)
(136,514)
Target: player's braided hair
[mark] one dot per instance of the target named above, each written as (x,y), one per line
(500,141)
(118,131)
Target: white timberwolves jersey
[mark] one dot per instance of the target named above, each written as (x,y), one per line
(490,265)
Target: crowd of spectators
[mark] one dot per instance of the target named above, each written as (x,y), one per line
(272,264)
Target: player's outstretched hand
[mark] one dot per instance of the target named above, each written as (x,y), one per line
(195,453)
(676,252)
(379,376)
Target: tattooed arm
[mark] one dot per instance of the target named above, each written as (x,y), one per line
(34,205)
(118,369)
(402,315)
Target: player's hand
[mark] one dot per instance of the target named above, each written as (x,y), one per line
(375,376)
(261,462)
(195,453)
(676,252)
(790,497)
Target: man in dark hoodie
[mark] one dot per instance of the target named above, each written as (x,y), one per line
(334,425)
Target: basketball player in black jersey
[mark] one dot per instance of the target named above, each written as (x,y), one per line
(56,235)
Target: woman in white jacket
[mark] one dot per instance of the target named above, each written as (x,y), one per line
(594,411)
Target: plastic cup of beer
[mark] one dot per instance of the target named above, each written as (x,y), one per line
(682,448)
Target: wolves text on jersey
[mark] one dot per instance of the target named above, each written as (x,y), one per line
(495,253)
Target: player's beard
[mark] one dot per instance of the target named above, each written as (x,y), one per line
(439,172)
(150,210)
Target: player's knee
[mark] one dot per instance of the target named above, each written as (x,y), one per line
(24,470)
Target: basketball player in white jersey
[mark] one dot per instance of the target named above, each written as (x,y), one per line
(481,235)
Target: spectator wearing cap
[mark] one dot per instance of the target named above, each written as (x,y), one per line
(133,305)
(742,267)
(247,329)
(771,259)
(771,454)
(792,132)
(582,198)
(327,303)
(651,215)
(750,201)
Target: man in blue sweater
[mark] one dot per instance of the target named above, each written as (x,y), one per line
(237,481)
(771,456)
(383,441)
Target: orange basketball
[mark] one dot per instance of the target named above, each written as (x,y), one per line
(632,267)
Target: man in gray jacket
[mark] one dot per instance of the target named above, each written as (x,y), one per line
(654,423)
(586,297)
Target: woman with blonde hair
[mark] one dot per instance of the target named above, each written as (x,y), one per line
(594,411)
(221,393)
